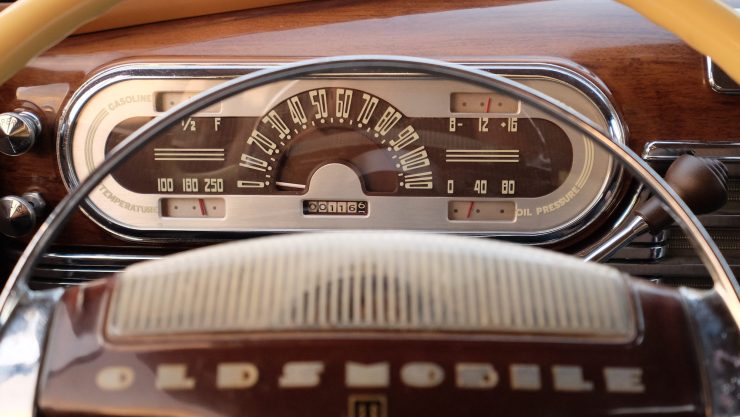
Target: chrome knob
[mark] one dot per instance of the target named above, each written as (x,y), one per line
(18,132)
(18,214)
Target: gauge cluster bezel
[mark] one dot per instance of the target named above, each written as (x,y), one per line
(577,80)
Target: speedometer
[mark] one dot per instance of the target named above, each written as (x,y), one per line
(380,151)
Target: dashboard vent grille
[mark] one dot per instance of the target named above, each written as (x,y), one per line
(370,281)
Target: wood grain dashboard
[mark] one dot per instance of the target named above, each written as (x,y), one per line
(657,82)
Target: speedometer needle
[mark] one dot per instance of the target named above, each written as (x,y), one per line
(290,185)
(470,209)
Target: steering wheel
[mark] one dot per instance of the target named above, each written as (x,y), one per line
(370,323)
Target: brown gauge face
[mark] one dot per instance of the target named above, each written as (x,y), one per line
(391,154)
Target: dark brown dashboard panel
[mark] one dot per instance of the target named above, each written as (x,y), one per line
(280,373)
(656,80)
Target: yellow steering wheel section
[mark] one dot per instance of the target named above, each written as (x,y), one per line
(709,26)
(29,27)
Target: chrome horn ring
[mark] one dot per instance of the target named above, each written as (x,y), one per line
(725,284)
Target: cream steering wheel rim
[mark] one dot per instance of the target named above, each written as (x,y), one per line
(29,27)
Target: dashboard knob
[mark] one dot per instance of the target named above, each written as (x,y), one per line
(700,182)
(18,214)
(18,132)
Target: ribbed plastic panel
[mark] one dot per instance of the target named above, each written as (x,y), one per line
(371,281)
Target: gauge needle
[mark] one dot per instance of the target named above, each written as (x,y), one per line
(202,206)
(470,209)
(289,185)
(488,104)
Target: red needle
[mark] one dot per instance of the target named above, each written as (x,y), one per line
(488,104)
(470,209)
(202,206)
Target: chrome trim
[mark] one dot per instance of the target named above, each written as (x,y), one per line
(616,241)
(671,269)
(96,259)
(69,269)
(669,150)
(22,342)
(47,277)
(718,80)
(725,286)
(650,239)
(628,242)
(640,254)
(19,131)
(581,81)
(61,269)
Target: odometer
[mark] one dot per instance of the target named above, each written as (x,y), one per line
(345,151)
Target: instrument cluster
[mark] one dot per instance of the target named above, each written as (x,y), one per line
(360,150)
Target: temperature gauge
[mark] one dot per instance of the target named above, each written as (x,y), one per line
(190,207)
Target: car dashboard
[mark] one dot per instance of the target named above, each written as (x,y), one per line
(371,209)
(367,149)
